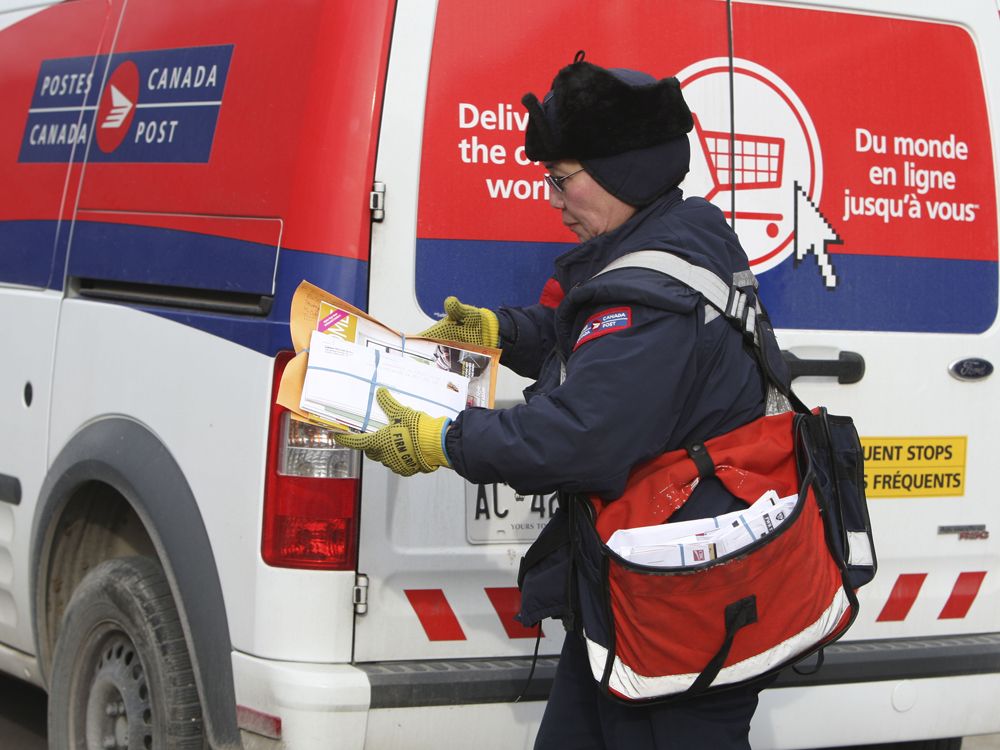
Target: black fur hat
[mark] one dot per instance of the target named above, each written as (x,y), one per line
(592,112)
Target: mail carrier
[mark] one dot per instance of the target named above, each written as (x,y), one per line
(181,563)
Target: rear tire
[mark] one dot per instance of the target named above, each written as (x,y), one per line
(121,674)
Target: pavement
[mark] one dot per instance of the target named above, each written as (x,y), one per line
(983,742)
(23,706)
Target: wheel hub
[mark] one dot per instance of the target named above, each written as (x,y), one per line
(119,712)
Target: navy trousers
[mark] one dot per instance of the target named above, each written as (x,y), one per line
(580,717)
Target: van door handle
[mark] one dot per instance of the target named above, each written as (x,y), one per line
(849,367)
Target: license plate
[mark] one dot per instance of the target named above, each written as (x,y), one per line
(496,514)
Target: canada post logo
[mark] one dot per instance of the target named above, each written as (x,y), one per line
(155,106)
(604,322)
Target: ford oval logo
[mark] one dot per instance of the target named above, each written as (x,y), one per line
(972,368)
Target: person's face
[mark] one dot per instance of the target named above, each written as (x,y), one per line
(587,209)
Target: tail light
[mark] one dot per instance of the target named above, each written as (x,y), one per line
(310,495)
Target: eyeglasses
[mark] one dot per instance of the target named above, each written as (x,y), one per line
(556,182)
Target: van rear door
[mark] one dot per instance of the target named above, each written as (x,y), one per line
(467,214)
(864,192)
(866,195)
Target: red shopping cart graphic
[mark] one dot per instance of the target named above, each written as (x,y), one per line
(743,162)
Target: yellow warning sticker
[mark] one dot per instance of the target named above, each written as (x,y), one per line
(914,466)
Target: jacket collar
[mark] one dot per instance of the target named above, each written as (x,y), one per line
(586,259)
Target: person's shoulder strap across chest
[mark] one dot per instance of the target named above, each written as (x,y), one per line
(735,299)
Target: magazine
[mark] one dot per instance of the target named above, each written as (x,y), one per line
(345,355)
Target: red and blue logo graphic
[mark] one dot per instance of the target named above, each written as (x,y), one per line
(607,321)
(117,107)
(155,106)
(878,217)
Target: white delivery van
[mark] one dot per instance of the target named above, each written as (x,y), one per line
(181,563)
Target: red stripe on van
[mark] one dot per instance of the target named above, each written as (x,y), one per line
(507,603)
(435,614)
(962,595)
(901,598)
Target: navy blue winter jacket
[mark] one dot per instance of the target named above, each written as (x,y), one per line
(644,372)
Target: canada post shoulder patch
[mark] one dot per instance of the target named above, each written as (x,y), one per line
(606,321)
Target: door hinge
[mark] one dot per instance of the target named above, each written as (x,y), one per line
(376,201)
(361,594)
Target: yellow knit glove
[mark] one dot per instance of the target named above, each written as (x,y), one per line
(412,441)
(467,324)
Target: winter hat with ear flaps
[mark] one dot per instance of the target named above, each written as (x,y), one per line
(627,129)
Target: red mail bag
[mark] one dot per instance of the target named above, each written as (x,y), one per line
(655,633)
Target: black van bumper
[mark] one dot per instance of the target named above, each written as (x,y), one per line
(407,684)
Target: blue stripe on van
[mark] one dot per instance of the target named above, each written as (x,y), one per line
(139,254)
(344,277)
(169,257)
(884,293)
(26,249)
(874,293)
(483,273)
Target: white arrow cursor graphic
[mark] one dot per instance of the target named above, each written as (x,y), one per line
(812,234)
(120,107)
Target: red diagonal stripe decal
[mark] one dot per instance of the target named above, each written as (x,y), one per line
(962,595)
(507,603)
(901,598)
(435,614)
